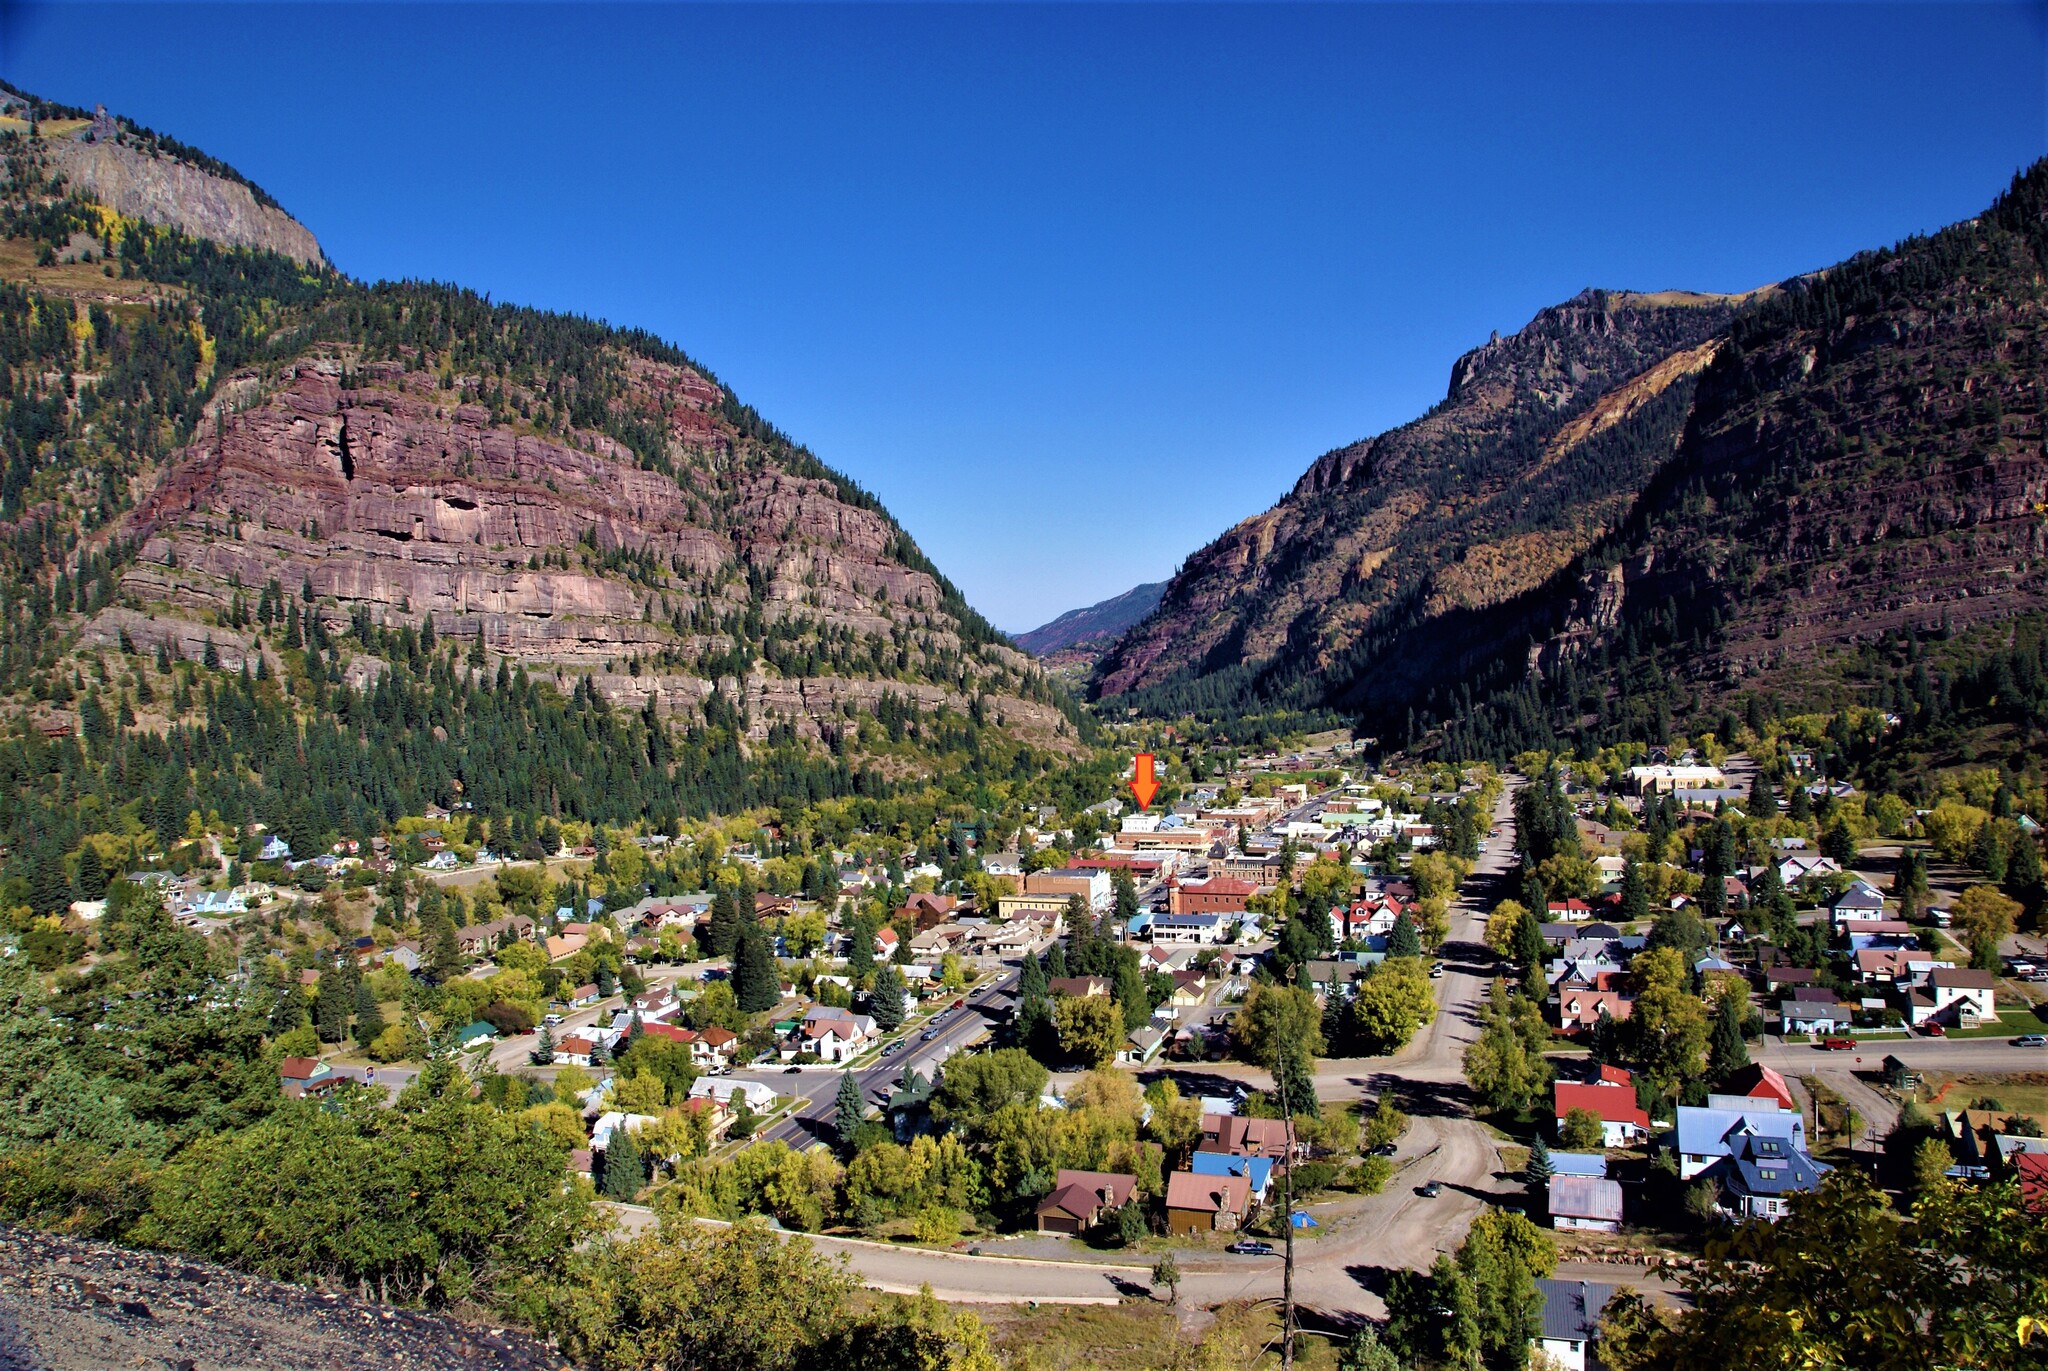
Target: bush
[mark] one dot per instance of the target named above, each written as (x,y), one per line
(511,1020)
(1370,1176)
(1582,1130)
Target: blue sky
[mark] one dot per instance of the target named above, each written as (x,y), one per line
(1074,288)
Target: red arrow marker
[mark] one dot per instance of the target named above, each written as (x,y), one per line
(1142,784)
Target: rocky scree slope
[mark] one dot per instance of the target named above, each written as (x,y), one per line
(1535,453)
(73,1305)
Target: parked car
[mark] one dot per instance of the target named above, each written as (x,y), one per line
(791,1070)
(2031,1040)
(552,1019)
(1380,1150)
(1432,1190)
(1838,1044)
(1934,1030)
(1250,1247)
(1436,970)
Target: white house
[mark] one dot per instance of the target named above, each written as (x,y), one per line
(728,1090)
(1953,995)
(1860,903)
(1571,1320)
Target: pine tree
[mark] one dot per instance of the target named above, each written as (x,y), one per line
(1538,1169)
(722,933)
(624,1170)
(1635,892)
(885,1003)
(1404,941)
(543,1047)
(92,874)
(1530,949)
(1056,962)
(848,1110)
(332,1002)
(369,1015)
(756,984)
(1130,993)
(1727,1053)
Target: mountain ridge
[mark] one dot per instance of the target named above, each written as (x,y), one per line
(1091,623)
(1846,457)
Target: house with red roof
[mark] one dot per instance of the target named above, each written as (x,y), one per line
(1079,1199)
(2032,1170)
(1611,1097)
(1759,1082)
(1205,1204)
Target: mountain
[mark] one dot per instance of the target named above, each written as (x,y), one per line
(219,446)
(1643,508)
(1533,455)
(1083,627)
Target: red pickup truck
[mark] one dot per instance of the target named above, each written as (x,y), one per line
(1838,1044)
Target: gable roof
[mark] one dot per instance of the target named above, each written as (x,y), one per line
(1613,1103)
(1079,1194)
(1571,1309)
(1585,1197)
(1712,1132)
(1208,1194)
(1759,1082)
(1257,1170)
(1578,1164)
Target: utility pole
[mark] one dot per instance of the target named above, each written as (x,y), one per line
(1287,1189)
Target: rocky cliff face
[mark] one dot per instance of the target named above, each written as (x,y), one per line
(163,190)
(1535,453)
(383,495)
(1665,499)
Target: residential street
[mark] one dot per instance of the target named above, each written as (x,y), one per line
(1340,1269)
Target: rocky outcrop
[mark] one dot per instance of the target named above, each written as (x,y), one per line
(71,1305)
(1538,449)
(162,190)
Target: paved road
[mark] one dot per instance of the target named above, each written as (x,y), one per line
(818,1087)
(1929,1054)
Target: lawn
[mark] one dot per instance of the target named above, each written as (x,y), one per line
(1139,1335)
(2011,1023)
(2023,1092)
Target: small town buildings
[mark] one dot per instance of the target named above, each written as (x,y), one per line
(1578,1164)
(714,1048)
(1204,1204)
(1952,996)
(1244,1137)
(1611,1097)
(478,940)
(1859,903)
(1571,1320)
(1704,1136)
(1218,895)
(1078,1200)
(1257,1171)
(1760,1082)
(574,1050)
(301,1077)
(1092,887)
(1587,1203)
(731,1092)
(1199,929)
(1760,1174)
